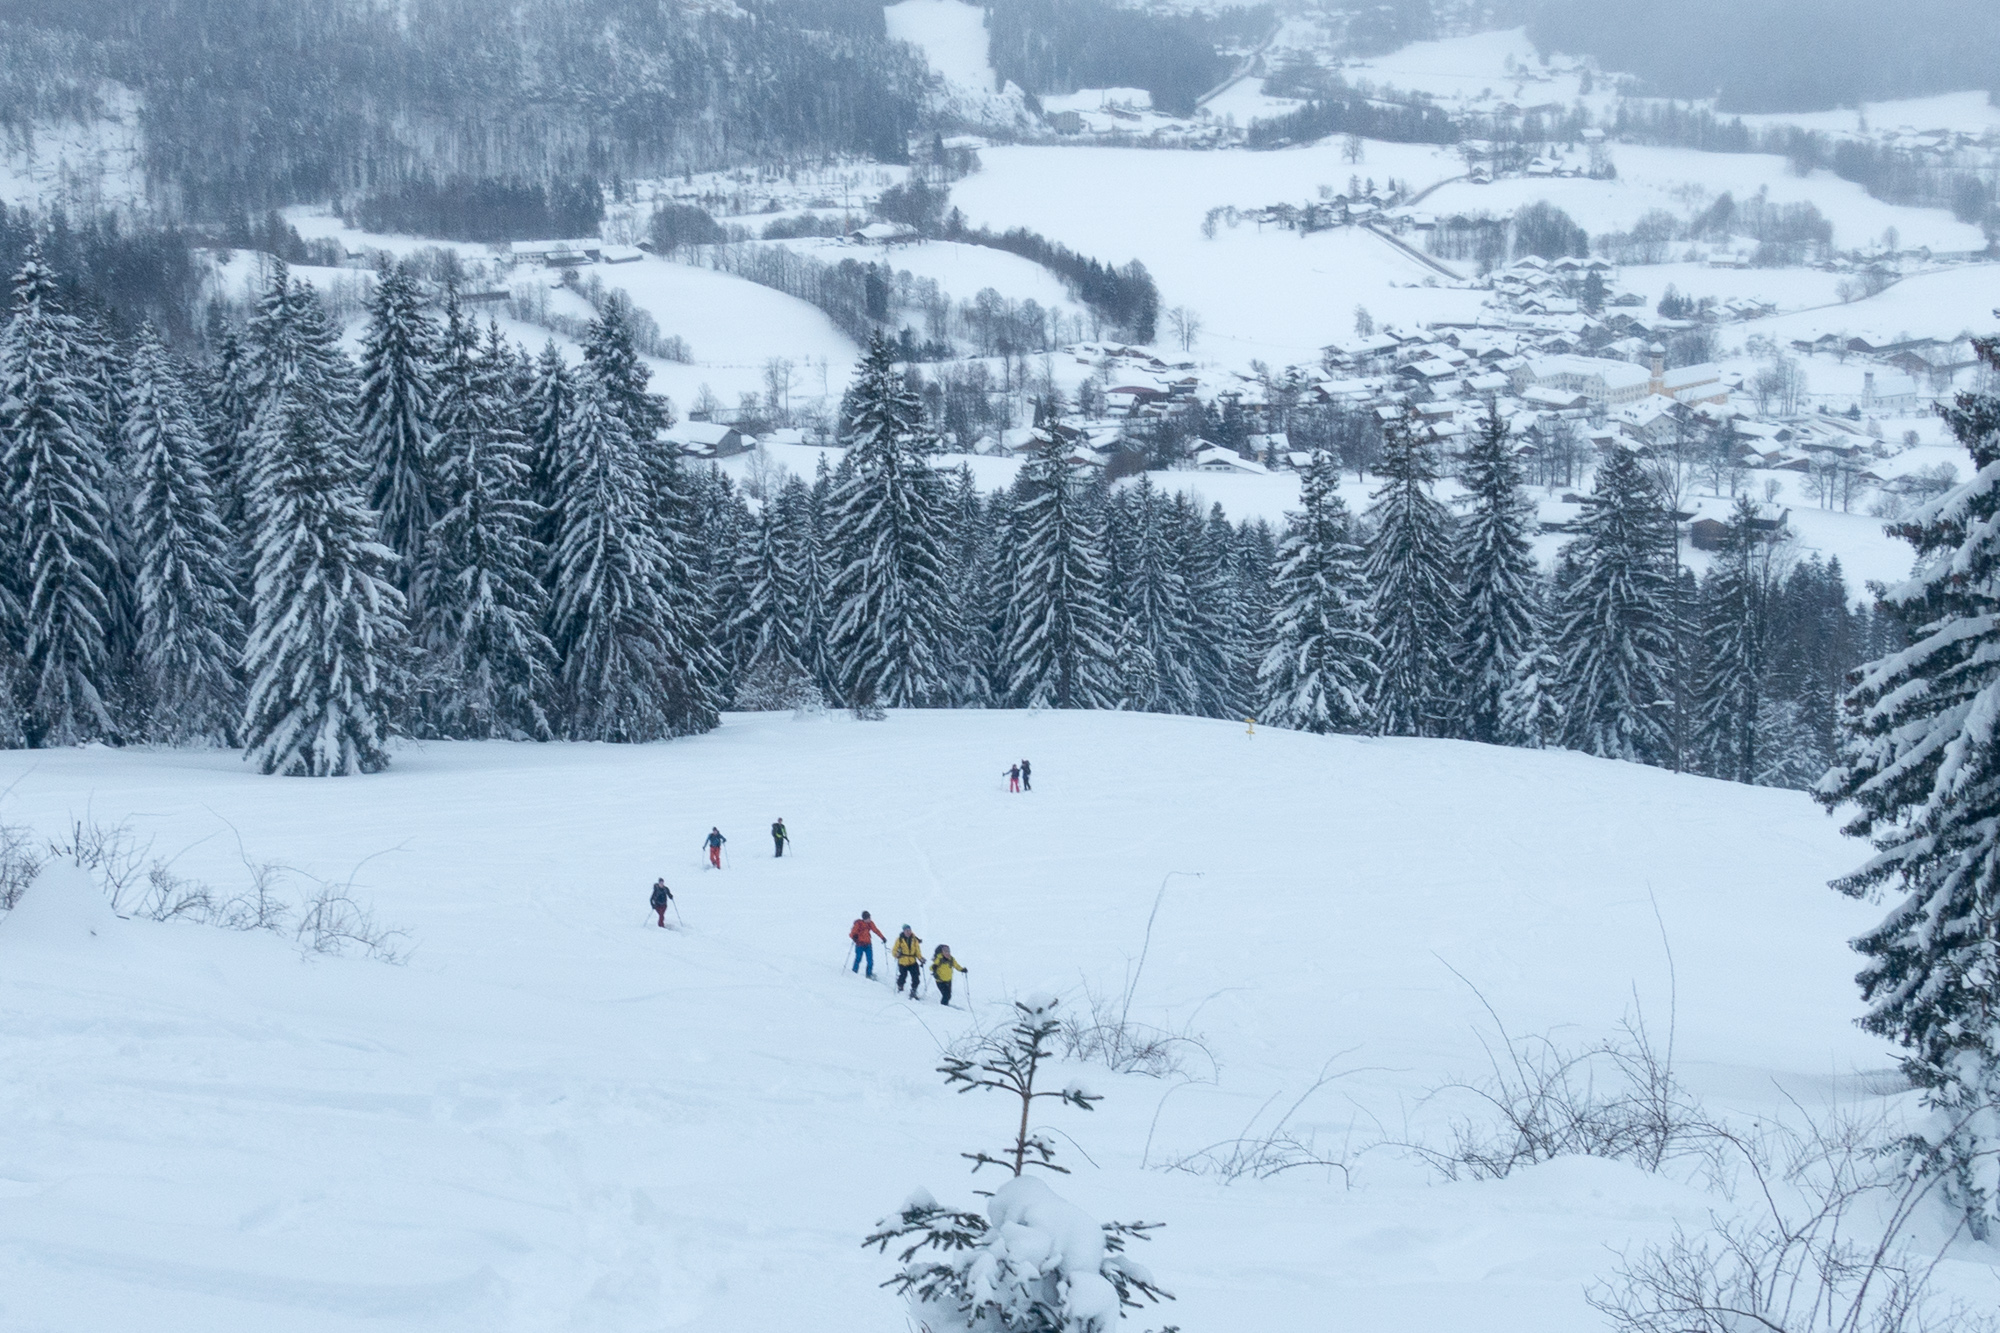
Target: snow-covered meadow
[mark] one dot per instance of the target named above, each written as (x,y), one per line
(556,1115)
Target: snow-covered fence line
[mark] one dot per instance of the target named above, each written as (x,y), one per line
(323,919)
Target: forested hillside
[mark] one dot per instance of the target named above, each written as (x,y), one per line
(1782,55)
(1058,46)
(250,104)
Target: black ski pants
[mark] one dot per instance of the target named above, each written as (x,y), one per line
(911,972)
(944,992)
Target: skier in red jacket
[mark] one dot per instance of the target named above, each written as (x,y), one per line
(864,932)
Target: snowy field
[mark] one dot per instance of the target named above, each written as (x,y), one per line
(951,36)
(1946,304)
(950,33)
(1474,68)
(732,326)
(557,1116)
(1678,179)
(1969,112)
(1271,295)
(961,271)
(1279,297)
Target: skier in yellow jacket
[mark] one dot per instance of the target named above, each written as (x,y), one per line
(943,968)
(908,951)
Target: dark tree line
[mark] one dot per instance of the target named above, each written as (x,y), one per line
(1346,112)
(1126,297)
(119,276)
(1059,46)
(462,209)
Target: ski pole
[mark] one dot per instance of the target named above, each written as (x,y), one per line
(677,911)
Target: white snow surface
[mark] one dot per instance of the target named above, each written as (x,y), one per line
(1273,294)
(952,37)
(1968,112)
(1669,178)
(558,1116)
(950,33)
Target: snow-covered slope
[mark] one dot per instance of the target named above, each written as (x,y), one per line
(560,1117)
(952,37)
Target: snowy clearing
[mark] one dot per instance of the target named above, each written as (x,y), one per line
(1272,295)
(950,33)
(732,326)
(1941,305)
(1676,178)
(1969,112)
(557,1115)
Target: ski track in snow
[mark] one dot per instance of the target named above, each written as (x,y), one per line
(558,1116)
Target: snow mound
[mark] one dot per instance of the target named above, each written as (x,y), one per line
(1042,1238)
(63,907)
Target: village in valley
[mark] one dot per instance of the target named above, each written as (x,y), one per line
(1748,326)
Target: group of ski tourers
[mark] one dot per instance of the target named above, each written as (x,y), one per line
(906,948)
(908,951)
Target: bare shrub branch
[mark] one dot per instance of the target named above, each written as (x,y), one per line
(1795,1265)
(330,920)
(1260,1153)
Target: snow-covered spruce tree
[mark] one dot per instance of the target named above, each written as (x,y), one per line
(611,355)
(191,620)
(974,654)
(991,604)
(1253,611)
(1919,767)
(893,621)
(1616,622)
(1531,705)
(1494,620)
(1061,639)
(398,421)
(813,543)
(1728,694)
(1209,571)
(325,655)
(547,408)
(489,667)
(1411,596)
(230,403)
(1032,1262)
(1320,672)
(294,351)
(717,524)
(105,374)
(1155,601)
(629,670)
(766,628)
(52,461)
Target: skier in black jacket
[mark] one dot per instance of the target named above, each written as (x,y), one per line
(779,837)
(662,895)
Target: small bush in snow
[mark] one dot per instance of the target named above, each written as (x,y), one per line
(1032,1262)
(1110,1036)
(1825,1248)
(19,864)
(327,920)
(1620,1098)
